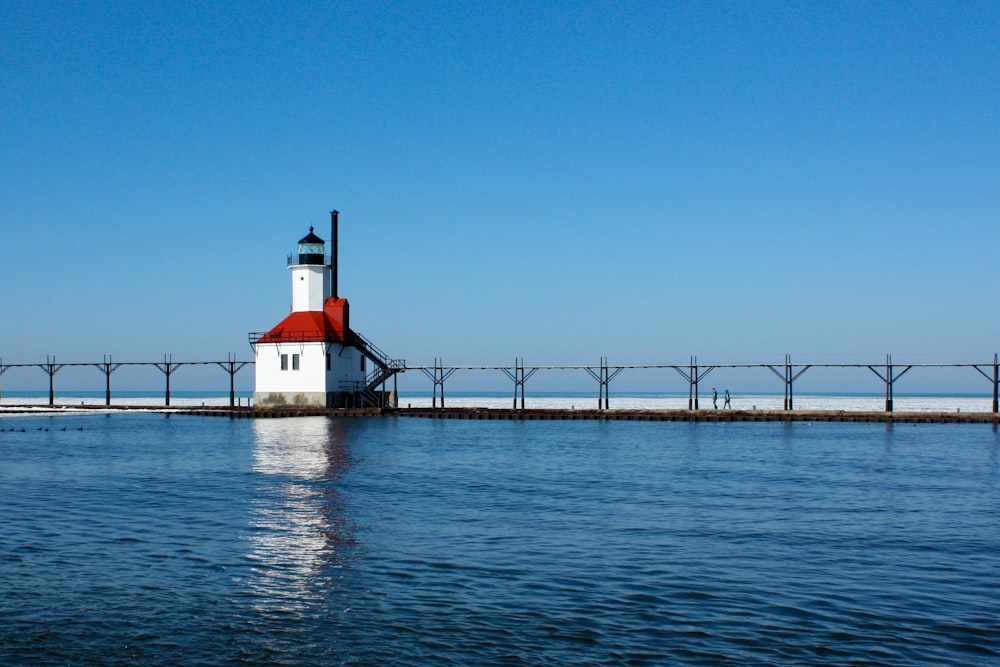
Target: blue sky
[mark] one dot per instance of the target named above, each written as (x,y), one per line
(555,181)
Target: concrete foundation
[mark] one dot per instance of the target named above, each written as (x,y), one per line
(298,399)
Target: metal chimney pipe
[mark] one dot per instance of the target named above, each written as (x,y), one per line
(333,252)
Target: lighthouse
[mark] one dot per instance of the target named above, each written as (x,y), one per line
(313,358)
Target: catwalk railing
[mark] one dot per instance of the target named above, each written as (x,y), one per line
(693,373)
(107,367)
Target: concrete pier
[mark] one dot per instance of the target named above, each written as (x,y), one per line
(535,414)
(707,415)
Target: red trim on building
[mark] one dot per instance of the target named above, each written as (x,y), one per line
(331,325)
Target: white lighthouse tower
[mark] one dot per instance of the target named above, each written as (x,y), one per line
(312,358)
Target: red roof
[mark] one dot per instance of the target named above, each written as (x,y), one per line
(329,325)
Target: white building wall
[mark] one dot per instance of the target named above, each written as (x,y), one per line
(310,284)
(346,368)
(311,383)
(305,386)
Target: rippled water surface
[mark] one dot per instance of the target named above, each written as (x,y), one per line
(148,540)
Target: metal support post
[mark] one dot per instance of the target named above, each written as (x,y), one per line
(693,376)
(439,375)
(788,385)
(693,384)
(51,367)
(519,377)
(889,384)
(599,376)
(107,367)
(995,380)
(788,376)
(889,379)
(604,377)
(167,368)
(232,367)
(604,383)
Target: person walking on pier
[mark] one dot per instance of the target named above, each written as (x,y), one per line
(715,399)
(725,401)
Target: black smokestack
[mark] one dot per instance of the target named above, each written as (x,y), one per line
(333,252)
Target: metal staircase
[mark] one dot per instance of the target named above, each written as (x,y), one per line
(384,368)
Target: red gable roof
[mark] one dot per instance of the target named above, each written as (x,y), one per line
(329,325)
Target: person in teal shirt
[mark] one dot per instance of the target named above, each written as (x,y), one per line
(725,402)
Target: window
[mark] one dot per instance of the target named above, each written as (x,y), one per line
(295,362)
(362,363)
(329,360)
(284,362)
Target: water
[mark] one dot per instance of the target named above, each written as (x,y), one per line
(152,540)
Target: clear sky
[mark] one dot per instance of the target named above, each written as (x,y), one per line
(557,181)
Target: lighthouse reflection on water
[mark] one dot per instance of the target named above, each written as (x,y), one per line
(299,535)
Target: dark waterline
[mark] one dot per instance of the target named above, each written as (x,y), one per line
(142,539)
